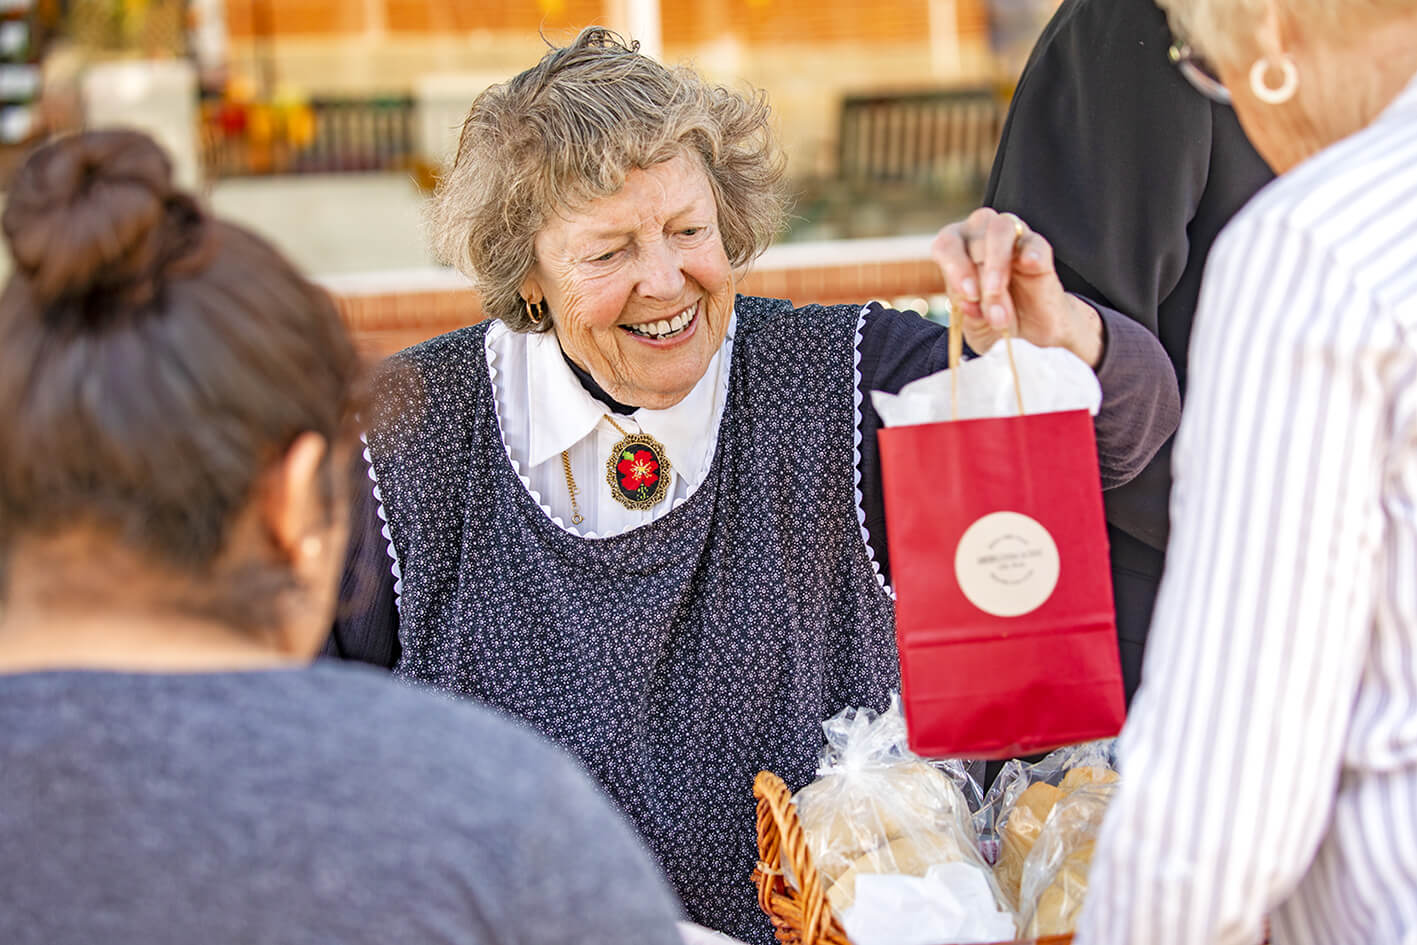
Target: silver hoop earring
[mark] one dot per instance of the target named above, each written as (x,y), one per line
(1278,94)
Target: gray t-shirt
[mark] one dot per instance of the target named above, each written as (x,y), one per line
(320,805)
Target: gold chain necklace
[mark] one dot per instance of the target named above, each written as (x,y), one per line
(638,472)
(576,516)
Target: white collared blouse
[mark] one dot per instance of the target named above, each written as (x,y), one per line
(543,410)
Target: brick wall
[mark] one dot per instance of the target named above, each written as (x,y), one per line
(684,21)
(434,16)
(247,18)
(806,54)
(794,21)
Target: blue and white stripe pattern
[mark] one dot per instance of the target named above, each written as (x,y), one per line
(1270,763)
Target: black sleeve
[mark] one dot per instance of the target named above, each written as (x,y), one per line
(1141,402)
(366,626)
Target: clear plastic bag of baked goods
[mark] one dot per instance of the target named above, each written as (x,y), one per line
(1095,758)
(877,809)
(1022,797)
(1055,873)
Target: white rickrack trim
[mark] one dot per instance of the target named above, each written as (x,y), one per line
(856,457)
(384,517)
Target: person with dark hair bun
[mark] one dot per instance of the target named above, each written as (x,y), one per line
(178,412)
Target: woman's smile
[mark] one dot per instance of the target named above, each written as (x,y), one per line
(666,331)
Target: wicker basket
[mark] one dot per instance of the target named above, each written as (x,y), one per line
(799,916)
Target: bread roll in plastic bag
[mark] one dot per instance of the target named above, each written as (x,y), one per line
(876,807)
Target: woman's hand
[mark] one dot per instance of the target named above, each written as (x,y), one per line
(999,275)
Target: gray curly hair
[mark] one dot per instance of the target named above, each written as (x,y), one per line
(567,131)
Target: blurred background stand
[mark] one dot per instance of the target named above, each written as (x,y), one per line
(906,162)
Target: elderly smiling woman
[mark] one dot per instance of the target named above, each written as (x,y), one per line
(635,509)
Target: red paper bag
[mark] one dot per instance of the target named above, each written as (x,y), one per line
(1004,614)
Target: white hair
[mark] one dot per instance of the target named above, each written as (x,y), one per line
(1224,30)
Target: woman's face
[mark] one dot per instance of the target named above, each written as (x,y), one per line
(638,285)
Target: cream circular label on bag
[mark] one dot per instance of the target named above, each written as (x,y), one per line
(1007,564)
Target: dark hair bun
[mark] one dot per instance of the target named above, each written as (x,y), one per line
(97,213)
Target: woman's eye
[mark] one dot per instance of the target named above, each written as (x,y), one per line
(691,231)
(605,257)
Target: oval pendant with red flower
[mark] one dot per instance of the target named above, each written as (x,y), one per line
(638,471)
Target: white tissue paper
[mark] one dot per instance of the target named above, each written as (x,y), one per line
(952,902)
(1052,379)
(698,935)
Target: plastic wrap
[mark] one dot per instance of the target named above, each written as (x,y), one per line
(1022,798)
(876,808)
(1055,873)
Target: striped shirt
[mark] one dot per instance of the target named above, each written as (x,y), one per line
(1270,763)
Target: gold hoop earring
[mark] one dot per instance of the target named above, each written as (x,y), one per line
(534,312)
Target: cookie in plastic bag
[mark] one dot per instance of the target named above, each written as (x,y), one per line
(1055,874)
(1022,798)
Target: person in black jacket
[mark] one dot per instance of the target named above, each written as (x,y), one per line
(1130,173)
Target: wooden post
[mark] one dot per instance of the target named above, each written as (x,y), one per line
(945,58)
(375,20)
(638,20)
